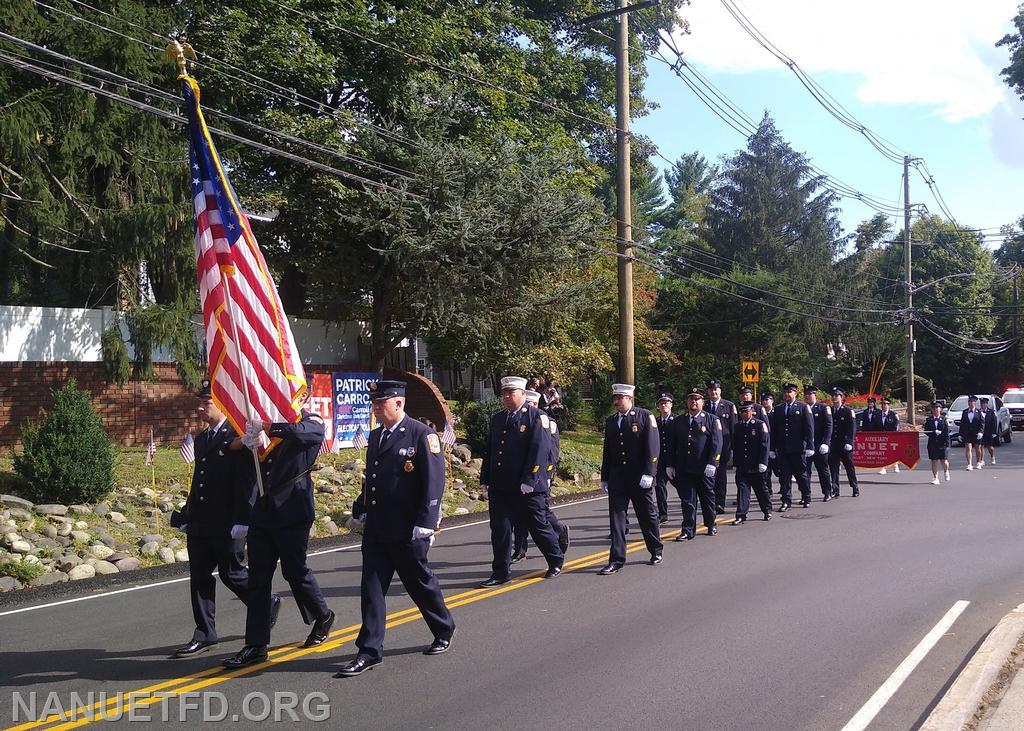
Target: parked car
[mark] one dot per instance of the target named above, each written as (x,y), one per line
(1013,400)
(960,403)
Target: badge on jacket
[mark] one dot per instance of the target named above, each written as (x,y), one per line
(522,428)
(408,466)
(433,444)
(635,428)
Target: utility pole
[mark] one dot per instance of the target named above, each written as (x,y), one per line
(1016,350)
(911,346)
(623,180)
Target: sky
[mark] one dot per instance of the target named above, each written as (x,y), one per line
(922,74)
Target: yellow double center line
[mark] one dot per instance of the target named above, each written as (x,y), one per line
(123,703)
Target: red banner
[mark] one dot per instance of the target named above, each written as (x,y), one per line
(877,449)
(322,403)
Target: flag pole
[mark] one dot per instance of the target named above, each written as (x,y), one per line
(152,472)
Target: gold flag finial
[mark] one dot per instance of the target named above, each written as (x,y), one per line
(180,53)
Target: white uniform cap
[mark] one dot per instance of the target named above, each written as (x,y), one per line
(514,382)
(532,396)
(623,389)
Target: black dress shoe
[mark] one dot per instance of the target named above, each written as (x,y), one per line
(248,655)
(193,648)
(712,531)
(563,538)
(612,568)
(856,492)
(805,503)
(552,572)
(826,498)
(656,558)
(835,493)
(683,537)
(784,507)
(719,510)
(740,521)
(662,521)
(494,582)
(439,646)
(275,609)
(517,557)
(360,665)
(321,630)
(767,516)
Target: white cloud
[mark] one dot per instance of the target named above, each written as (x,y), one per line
(933,52)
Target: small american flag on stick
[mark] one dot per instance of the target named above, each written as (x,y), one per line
(448,436)
(188,448)
(359,441)
(151,451)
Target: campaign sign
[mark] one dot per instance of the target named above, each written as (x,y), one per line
(877,449)
(322,402)
(352,405)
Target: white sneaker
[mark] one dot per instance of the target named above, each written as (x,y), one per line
(896,469)
(935,481)
(970,467)
(992,461)
(979,465)
(882,471)
(947,475)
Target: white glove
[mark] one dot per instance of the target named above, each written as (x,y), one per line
(671,472)
(762,468)
(239,532)
(823,449)
(604,486)
(419,532)
(183,527)
(808,452)
(979,436)
(646,482)
(255,441)
(772,455)
(848,447)
(253,427)
(526,489)
(710,470)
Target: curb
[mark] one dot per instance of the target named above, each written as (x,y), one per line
(964,698)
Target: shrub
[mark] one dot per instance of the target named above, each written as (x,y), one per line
(23,572)
(66,457)
(568,417)
(924,389)
(601,404)
(573,462)
(477,422)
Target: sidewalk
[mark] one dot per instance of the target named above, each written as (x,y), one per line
(988,694)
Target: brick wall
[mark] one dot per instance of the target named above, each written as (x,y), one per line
(165,404)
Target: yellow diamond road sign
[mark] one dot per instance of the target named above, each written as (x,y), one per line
(751,371)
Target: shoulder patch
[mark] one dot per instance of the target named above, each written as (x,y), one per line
(544,421)
(554,426)
(433,444)
(316,417)
(718,423)
(654,422)
(764,427)
(828,410)
(734,412)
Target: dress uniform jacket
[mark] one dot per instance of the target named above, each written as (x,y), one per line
(844,432)
(631,450)
(222,485)
(870,420)
(405,479)
(517,451)
(792,434)
(937,429)
(750,441)
(990,435)
(726,411)
(971,425)
(404,482)
(287,484)
(696,443)
(664,437)
(822,416)
(889,420)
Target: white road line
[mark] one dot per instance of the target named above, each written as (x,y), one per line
(881,696)
(185,578)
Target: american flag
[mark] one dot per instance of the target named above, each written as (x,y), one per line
(151,450)
(249,344)
(325,448)
(448,436)
(359,441)
(188,449)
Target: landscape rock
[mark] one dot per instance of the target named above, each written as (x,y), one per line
(82,571)
(64,530)
(30,558)
(81,525)
(9,583)
(461,511)
(80,509)
(181,555)
(20,514)
(80,536)
(102,567)
(152,548)
(118,556)
(51,577)
(47,543)
(354,525)
(20,546)
(459,485)
(51,509)
(353,466)
(64,541)
(101,509)
(127,564)
(105,538)
(50,531)
(68,561)
(13,501)
(116,517)
(166,555)
(327,488)
(100,551)
(463,452)
(331,527)
(151,538)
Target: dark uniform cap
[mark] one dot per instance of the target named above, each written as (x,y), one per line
(746,389)
(838,391)
(985,398)
(790,387)
(937,404)
(871,399)
(972,397)
(381,390)
(204,389)
(810,387)
(886,401)
(714,383)
(695,393)
(746,405)
(665,397)
(767,394)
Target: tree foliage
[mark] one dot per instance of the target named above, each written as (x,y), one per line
(1014,73)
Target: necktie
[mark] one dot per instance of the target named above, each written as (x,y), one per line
(619,424)
(384,437)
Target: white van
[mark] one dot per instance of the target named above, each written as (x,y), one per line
(1013,399)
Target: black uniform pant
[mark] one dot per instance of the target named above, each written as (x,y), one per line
(521,530)
(820,463)
(837,455)
(381,561)
(267,546)
(619,497)
(793,465)
(721,482)
(744,482)
(661,482)
(206,553)
(691,488)
(505,510)
(773,468)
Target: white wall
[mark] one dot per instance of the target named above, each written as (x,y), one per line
(69,334)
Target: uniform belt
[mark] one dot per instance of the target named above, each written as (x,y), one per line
(277,489)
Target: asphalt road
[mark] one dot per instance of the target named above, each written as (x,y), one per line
(792,624)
